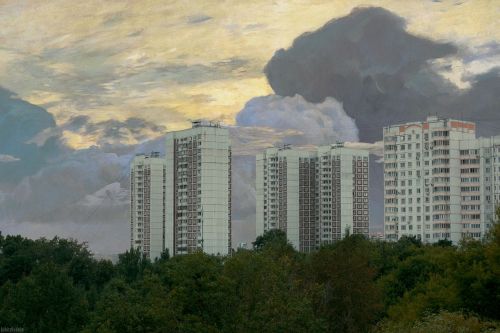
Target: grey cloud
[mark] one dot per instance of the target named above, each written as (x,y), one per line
(19,122)
(81,194)
(56,190)
(196,19)
(368,62)
(76,123)
(484,51)
(51,194)
(108,132)
(135,33)
(116,130)
(243,199)
(480,103)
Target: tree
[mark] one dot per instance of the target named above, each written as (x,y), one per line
(275,237)
(128,308)
(132,264)
(45,301)
(443,322)
(268,293)
(197,290)
(478,273)
(347,297)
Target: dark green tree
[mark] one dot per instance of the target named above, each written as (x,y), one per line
(269,293)
(275,237)
(44,301)
(343,276)
(132,264)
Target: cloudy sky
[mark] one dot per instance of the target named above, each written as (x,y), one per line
(84,85)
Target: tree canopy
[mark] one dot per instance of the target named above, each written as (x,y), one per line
(353,285)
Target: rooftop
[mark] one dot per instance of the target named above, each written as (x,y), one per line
(205,123)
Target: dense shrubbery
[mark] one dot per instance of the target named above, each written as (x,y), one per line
(354,285)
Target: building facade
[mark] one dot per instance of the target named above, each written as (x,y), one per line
(147,204)
(314,196)
(440,182)
(198,190)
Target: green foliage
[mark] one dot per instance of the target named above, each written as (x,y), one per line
(132,265)
(128,308)
(273,238)
(346,293)
(45,301)
(353,285)
(268,293)
(444,322)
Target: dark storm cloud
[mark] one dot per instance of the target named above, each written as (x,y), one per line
(19,122)
(480,103)
(368,62)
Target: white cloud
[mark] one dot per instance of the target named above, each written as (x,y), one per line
(111,195)
(294,120)
(8,158)
(376,148)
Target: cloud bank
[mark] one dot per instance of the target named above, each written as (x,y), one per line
(380,73)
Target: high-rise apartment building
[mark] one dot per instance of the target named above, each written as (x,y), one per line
(440,182)
(147,204)
(286,195)
(198,190)
(314,196)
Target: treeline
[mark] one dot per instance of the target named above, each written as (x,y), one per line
(355,285)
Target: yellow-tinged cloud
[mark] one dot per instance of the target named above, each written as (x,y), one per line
(79,141)
(38,97)
(170,62)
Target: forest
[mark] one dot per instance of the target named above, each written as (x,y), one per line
(354,285)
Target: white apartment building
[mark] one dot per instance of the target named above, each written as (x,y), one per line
(147,204)
(314,196)
(440,182)
(198,190)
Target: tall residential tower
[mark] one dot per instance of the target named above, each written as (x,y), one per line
(440,182)
(314,196)
(198,190)
(147,204)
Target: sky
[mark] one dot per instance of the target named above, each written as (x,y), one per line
(85,85)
